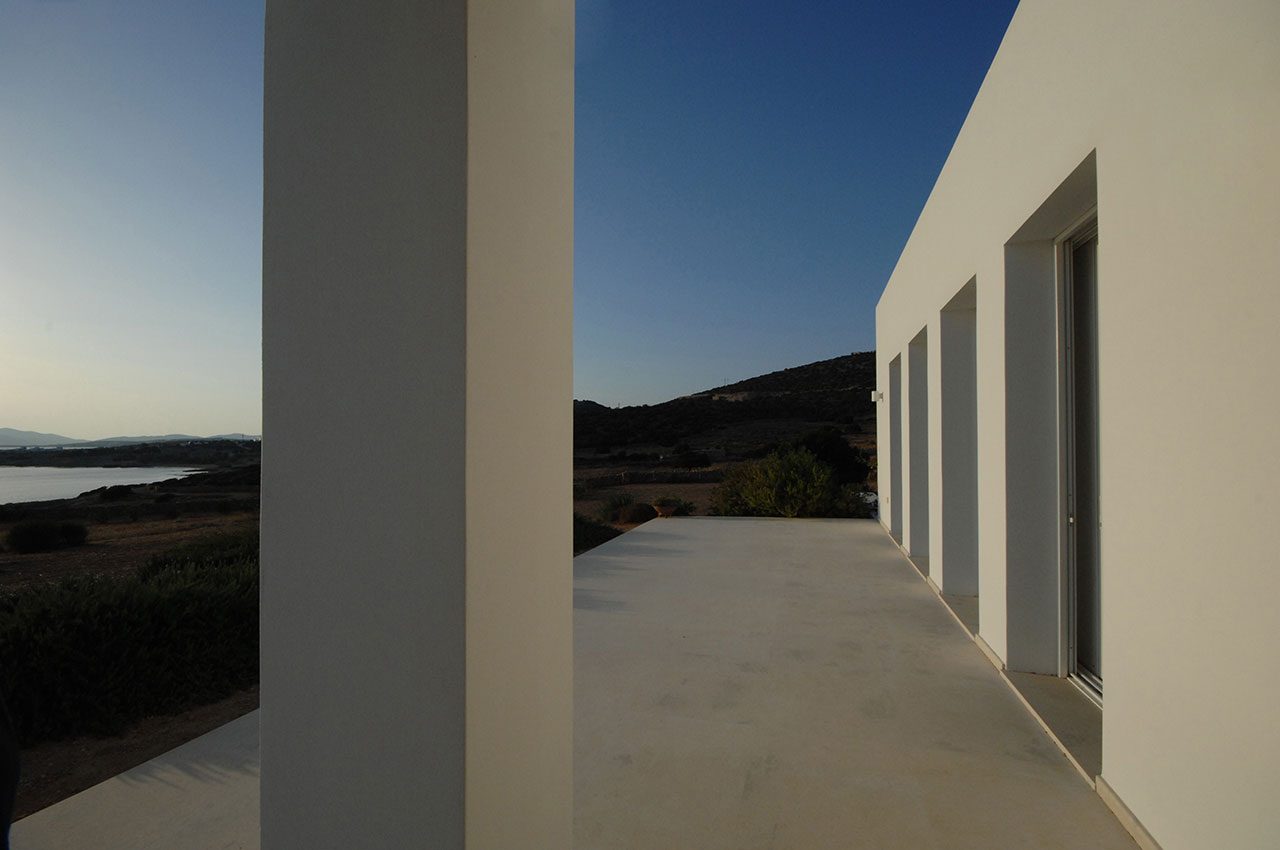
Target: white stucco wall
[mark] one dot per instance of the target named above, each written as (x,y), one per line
(417,346)
(1181,102)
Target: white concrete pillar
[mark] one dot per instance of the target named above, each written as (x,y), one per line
(417,348)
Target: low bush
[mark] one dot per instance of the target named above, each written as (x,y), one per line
(44,536)
(671,506)
(789,484)
(589,533)
(613,506)
(93,655)
(214,550)
(636,513)
(828,445)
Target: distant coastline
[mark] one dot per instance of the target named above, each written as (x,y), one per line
(187,454)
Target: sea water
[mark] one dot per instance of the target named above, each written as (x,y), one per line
(39,483)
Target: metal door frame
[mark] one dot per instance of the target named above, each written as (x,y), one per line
(1082,230)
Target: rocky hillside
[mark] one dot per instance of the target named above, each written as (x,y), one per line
(733,417)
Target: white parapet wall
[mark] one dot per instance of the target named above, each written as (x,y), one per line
(1161,119)
(417,346)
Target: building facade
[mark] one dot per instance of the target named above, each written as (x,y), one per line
(1077,410)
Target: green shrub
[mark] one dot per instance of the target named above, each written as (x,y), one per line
(115,493)
(679,507)
(828,445)
(214,550)
(44,536)
(92,655)
(636,513)
(791,484)
(613,505)
(589,533)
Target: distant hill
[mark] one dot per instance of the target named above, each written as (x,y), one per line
(167,438)
(850,372)
(835,391)
(118,441)
(14,437)
(34,439)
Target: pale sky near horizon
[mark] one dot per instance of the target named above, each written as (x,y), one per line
(747,173)
(130,217)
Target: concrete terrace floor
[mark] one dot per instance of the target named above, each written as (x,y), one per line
(759,683)
(739,683)
(202,795)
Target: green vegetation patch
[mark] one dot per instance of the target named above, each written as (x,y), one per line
(789,483)
(93,655)
(611,510)
(215,550)
(849,465)
(672,506)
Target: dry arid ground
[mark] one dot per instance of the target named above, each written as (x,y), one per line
(698,494)
(56,770)
(112,548)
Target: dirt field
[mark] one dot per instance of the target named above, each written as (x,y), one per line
(113,548)
(699,494)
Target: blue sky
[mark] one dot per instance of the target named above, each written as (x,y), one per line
(747,173)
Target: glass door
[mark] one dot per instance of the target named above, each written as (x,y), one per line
(1083,518)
